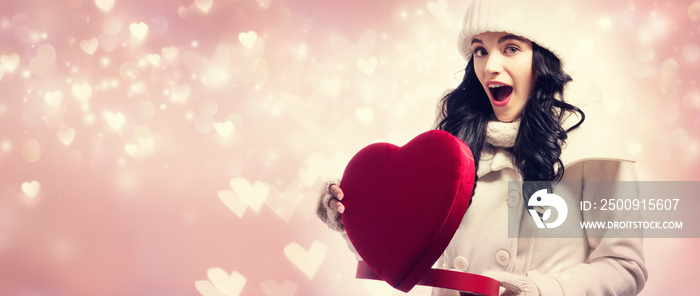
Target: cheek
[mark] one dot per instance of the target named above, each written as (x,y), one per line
(527,78)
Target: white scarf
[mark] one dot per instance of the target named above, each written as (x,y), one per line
(502,134)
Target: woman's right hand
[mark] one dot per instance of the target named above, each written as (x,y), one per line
(330,206)
(337,194)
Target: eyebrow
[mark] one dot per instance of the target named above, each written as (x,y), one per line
(502,39)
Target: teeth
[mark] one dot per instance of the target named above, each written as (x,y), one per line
(496,85)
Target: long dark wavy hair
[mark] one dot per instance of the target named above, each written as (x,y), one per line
(466,112)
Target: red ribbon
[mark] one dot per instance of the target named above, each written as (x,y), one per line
(442,278)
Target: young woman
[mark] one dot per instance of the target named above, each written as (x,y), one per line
(510,109)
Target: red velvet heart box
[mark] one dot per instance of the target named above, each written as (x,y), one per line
(404,204)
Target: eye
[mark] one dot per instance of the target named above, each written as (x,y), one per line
(480,52)
(511,49)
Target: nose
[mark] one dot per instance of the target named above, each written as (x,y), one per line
(494,64)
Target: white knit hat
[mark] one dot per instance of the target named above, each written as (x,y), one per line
(545,22)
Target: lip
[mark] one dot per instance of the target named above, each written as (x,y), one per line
(493,101)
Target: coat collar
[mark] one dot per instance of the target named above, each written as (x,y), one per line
(601,136)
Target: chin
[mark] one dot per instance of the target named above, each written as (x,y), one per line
(507,118)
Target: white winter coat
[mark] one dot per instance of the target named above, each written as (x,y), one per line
(596,151)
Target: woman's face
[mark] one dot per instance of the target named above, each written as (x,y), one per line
(503,64)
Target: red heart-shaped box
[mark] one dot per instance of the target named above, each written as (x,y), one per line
(403,206)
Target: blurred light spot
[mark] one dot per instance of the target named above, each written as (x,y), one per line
(74,4)
(53,118)
(115,120)
(66,136)
(62,249)
(692,99)
(89,46)
(44,61)
(97,138)
(268,158)
(169,53)
(400,112)
(635,148)
(81,91)
(76,155)
(179,94)
(89,119)
(112,25)
(9,62)
(143,62)
(129,70)
(189,218)
(691,53)
(6,146)
(694,11)
(364,115)
(104,5)
(644,53)
(189,115)
(104,84)
(605,23)
(99,154)
(108,42)
(53,98)
(613,105)
(248,39)
(130,149)
(142,144)
(670,111)
(126,182)
(159,25)
(208,108)
(31,151)
(147,110)
(32,116)
(203,124)
(653,31)
(154,59)
(300,51)
(138,88)
(331,86)
(692,150)
(224,129)
(216,76)
(139,30)
(669,73)
(679,137)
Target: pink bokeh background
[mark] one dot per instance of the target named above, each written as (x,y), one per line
(172,147)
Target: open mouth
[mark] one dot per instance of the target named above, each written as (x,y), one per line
(500,92)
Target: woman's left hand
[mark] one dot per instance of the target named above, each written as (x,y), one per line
(514,285)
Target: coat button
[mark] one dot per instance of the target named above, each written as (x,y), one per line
(503,257)
(441,262)
(514,199)
(461,263)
